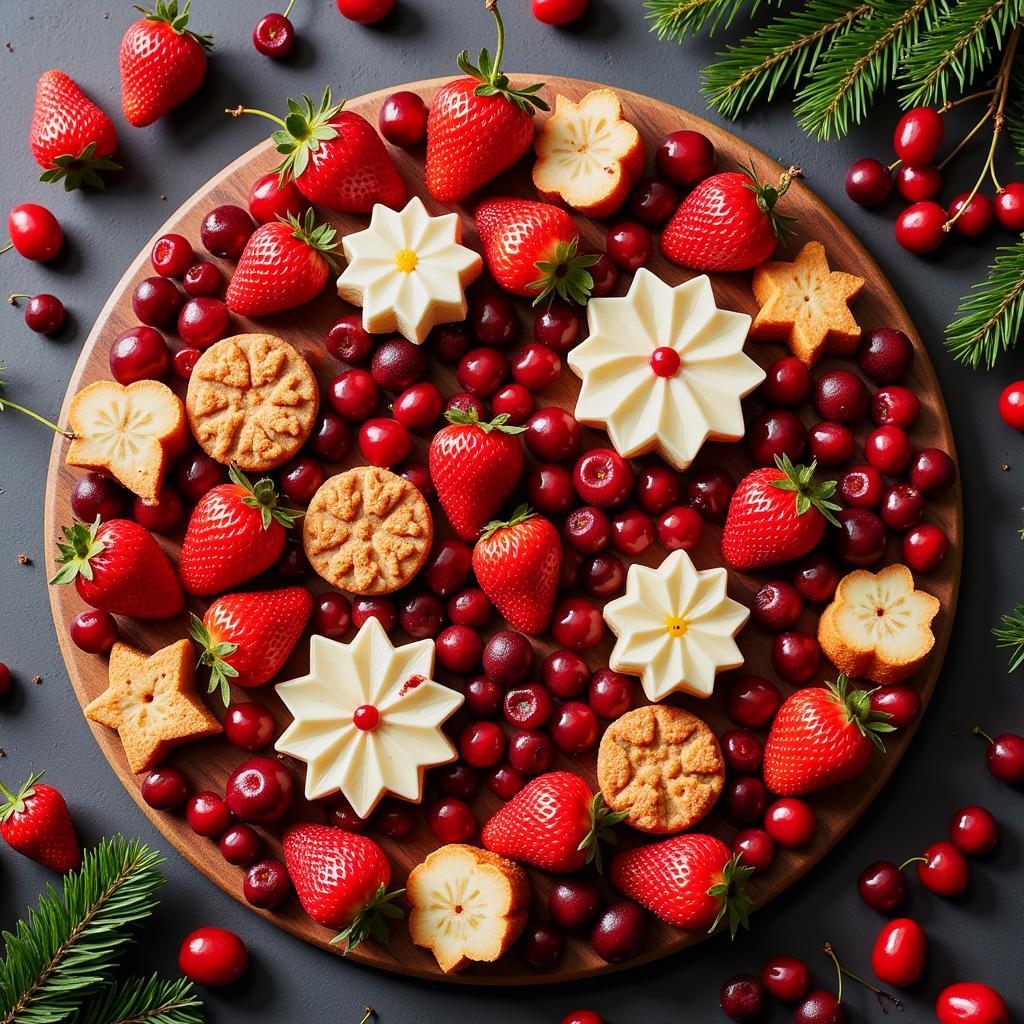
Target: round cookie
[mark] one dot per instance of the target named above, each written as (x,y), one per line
(662,766)
(252,400)
(367,531)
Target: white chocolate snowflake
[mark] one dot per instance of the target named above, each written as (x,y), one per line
(367,718)
(663,369)
(676,627)
(408,271)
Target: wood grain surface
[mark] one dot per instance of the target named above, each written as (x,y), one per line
(209,763)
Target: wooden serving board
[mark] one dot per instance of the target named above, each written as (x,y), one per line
(209,763)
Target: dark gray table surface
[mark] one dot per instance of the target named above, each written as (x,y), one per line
(976,937)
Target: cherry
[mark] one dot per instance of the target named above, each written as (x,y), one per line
(165,789)
(1011,405)
(403,119)
(881,885)
(620,933)
(796,656)
(777,606)
(924,547)
(419,406)
(974,830)
(197,473)
(365,12)
(301,478)
(552,434)
(528,706)
(34,232)
(507,657)
(266,884)
(504,781)
(557,325)
(156,301)
(346,339)
(932,470)
(606,276)
(452,821)
(1009,205)
(213,957)
(384,442)
(632,532)
(973,214)
(140,353)
(943,869)
(744,799)
(902,505)
(447,566)
(917,183)
(830,444)
(685,157)
(225,230)
(861,487)
(469,607)
(709,491)
(394,819)
(790,822)
(531,753)
(898,955)
(565,674)
(574,903)
(888,449)
(610,694)
(918,135)
(293,564)
(919,227)
(515,402)
(588,529)
(743,750)
(886,355)
(786,978)
(752,701)
(459,649)
(541,943)
(603,576)
(162,515)
(260,790)
(840,396)
(970,1002)
(755,847)
(95,495)
(203,278)
(895,406)
(249,725)
(481,371)
(207,814)
(536,366)
(653,201)
(861,538)
(185,360)
(819,1007)
(742,998)
(679,528)
(44,313)
(574,728)
(202,321)
(602,477)
(274,35)
(270,199)
(571,568)
(577,624)
(94,631)
(901,703)
(5,680)
(240,845)
(342,816)
(773,434)
(558,12)
(1004,756)
(482,744)
(787,382)
(421,615)
(868,182)
(171,255)
(382,609)
(398,364)
(458,780)
(657,487)
(629,245)
(549,488)
(493,320)
(816,578)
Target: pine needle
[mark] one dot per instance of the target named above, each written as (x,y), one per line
(778,54)
(675,19)
(990,317)
(1014,112)
(69,944)
(1012,635)
(143,1001)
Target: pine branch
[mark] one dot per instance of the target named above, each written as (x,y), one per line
(861,64)
(1014,113)
(1012,635)
(675,19)
(69,944)
(780,53)
(143,1001)
(957,50)
(990,317)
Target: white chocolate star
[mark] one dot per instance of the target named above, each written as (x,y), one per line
(673,414)
(406,739)
(675,627)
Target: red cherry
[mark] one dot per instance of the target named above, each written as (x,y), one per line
(383,609)
(504,781)
(709,491)
(881,885)
(605,275)
(1011,405)
(816,578)
(171,255)
(156,301)
(507,657)
(574,903)
(830,444)
(240,845)
(602,477)
(868,182)
(531,753)
(742,998)
(796,656)
(536,366)
(900,702)
(898,955)
(653,201)
(493,320)
(574,727)
(398,364)
(679,528)
(260,790)
(419,406)
(886,355)
(165,789)
(452,821)
(610,694)
(1009,205)
(469,607)
(657,487)
(629,245)
(185,360)
(457,780)
(786,978)
(459,648)
(932,470)
(752,701)
(213,957)
(924,547)
(515,402)
(34,232)
(819,1007)
(207,814)
(549,488)
(862,537)
(197,474)
(225,230)
(972,215)
(974,830)
(777,606)
(269,199)
(203,278)
(632,532)
(787,382)
(889,450)
(919,227)
(577,623)
(902,505)
(665,361)
(557,325)
(744,799)
(266,884)
(755,847)
(348,340)
(840,396)
(162,515)
(552,434)
(565,674)
(403,119)
(273,36)
(482,744)
(365,12)
(422,616)
(685,157)
(944,869)
(775,433)
(583,1017)
(603,576)
(94,631)
(895,406)
(918,135)
(447,567)
(558,12)
(202,321)
(588,529)
(743,750)
(384,442)
(620,933)
(140,353)
(1004,756)
(790,822)
(301,478)
(861,487)
(44,313)
(394,820)
(917,183)
(481,371)
(249,725)
(970,1002)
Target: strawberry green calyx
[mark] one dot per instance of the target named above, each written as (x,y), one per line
(14,803)
(566,275)
(602,821)
(320,237)
(769,195)
(500,423)
(6,403)
(79,169)
(809,492)
(519,516)
(372,921)
(215,657)
(493,82)
(732,891)
(76,551)
(167,12)
(263,496)
(857,704)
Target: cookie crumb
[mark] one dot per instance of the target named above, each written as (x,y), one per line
(24,560)
(8,48)
(3,753)
(1005,467)
(37,680)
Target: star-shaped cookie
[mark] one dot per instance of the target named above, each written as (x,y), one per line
(152,702)
(806,305)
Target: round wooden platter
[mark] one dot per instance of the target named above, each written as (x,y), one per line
(209,763)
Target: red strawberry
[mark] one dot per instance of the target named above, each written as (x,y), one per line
(478,126)
(516,564)
(342,881)
(691,881)
(283,265)
(821,736)
(118,566)
(532,249)
(35,822)
(236,531)
(554,822)
(335,156)
(776,514)
(162,63)
(474,466)
(246,638)
(728,222)
(70,137)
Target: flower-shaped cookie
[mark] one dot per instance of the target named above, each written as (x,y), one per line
(367,718)
(663,369)
(675,627)
(408,271)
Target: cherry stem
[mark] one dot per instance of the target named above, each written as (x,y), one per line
(978,731)
(288,9)
(6,403)
(240,110)
(367,1014)
(12,299)
(913,860)
(880,994)
(9,245)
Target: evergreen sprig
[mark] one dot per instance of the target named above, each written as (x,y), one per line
(1011,635)
(676,19)
(152,1000)
(1014,112)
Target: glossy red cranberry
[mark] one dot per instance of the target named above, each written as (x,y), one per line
(868,182)
(94,631)
(917,183)
(932,470)
(457,780)
(203,278)
(919,227)
(249,725)
(777,606)
(787,382)
(260,790)
(508,657)
(207,814)
(266,884)
(383,609)
(565,674)
(902,505)
(606,276)
(840,396)
(574,727)
(752,701)
(459,649)
(203,321)
(653,201)
(394,819)
(901,703)
(603,576)
(861,487)
(588,529)
(384,442)
(610,694)
(421,615)
(861,537)
(418,474)
(970,1002)
(1009,204)
(895,406)
(924,547)
(577,624)
(240,845)
(270,200)
(685,157)
(552,434)
(482,371)
(482,744)
(419,406)
(504,781)
(549,488)
(816,578)
(171,255)
(165,789)
(888,449)
(918,135)
(791,822)
(620,933)
(944,870)
(162,515)
(449,342)
(786,978)
(775,433)
(469,607)
(755,847)
(197,474)
(629,245)
(452,821)
(184,361)
(796,656)
(602,477)
(354,395)
(881,886)
(557,325)
(156,301)
(665,361)
(301,478)
(742,998)
(973,830)
(536,366)
(493,320)
(541,944)
(348,340)
(744,798)
(515,402)
(658,487)
(447,566)
(709,491)
(886,355)
(633,532)
(213,957)
(743,751)
(398,364)
(531,753)
(225,230)
(332,437)
(403,119)
(574,903)
(830,444)
(819,1007)
(679,528)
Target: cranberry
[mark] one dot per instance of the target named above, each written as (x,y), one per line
(156,301)
(469,607)
(447,567)
(162,515)
(574,903)
(653,201)
(421,615)
(171,255)
(536,366)
(602,477)
(743,751)
(755,847)
(840,396)
(44,313)
(969,1002)
(868,182)
(419,406)
(777,606)
(632,532)
(610,694)
(203,278)
(588,529)
(348,340)
(679,528)
(198,473)
(207,814)
(918,135)
(786,978)
(830,444)
(531,753)
(493,320)
(240,845)
(465,402)
(94,631)
(213,957)
(394,820)
(515,402)
(895,406)
(796,656)
(528,706)
(886,355)
(383,609)
(549,488)
(752,701)
(685,157)
(552,434)
(449,342)
(249,725)
(861,537)
(816,578)
(225,230)
(709,491)
(541,944)
(1009,205)
(398,364)
(861,487)
(665,361)
(919,227)
(482,744)
(574,727)
(482,371)
(293,563)
(888,449)
(819,1007)
(657,488)
(773,434)
(384,442)
(932,470)
(35,233)
(605,275)
(944,870)
(742,998)
(603,576)
(354,395)
(403,119)
(620,933)
(185,360)
(974,830)
(790,822)
(457,780)
(266,884)
(260,790)
(902,506)
(917,183)
(165,789)
(570,569)
(452,821)
(459,649)
(881,886)
(787,382)
(1004,756)
(557,326)
(270,199)
(418,474)
(565,674)
(577,624)
(901,703)
(301,478)
(629,245)
(508,657)
(924,547)
(744,799)
(504,781)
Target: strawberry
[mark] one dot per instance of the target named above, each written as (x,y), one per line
(821,736)
(70,137)
(335,156)
(118,566)
(691,881)
(341,879)
(554,822)
(162,62)
(728,222)
(532,249)
(283,265)
(478,126)
(517,564)
(236,531)
(246,638)
(775,514)
(474,466)
(35,822)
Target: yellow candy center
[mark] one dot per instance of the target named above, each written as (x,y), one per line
(675,625)
(405,260)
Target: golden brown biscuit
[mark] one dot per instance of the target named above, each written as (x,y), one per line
(662,766)
(367,531)
(252,400)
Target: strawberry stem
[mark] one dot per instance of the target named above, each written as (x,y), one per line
(371,922)
(880,993)
(75,553)
(565,275)
(769,195)
(602,820)
(15,802)
(469,418)
(167,12)
(732,890)
(263,496)
(857,705)
(240,110)
(809,493)
(215,656)
(520,515)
